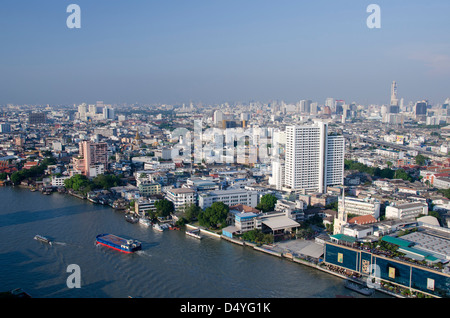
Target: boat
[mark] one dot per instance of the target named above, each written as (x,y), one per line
(158,227)
(366,291)
(42,239)
(118,243)
(164,226)
(145,222)
(131,219)
(194,233)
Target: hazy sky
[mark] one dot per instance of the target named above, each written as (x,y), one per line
(172,51)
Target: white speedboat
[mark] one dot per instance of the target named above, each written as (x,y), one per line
(158,227)
(145,222)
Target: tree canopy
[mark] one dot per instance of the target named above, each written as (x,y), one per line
(267,203)
(164,207)
(214,216)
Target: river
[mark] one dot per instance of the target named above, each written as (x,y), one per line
(170,264)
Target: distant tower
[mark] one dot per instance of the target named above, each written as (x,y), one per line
(394,106)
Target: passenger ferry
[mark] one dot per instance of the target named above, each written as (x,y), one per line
(118,243)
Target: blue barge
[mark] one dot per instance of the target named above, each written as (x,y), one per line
(118,243)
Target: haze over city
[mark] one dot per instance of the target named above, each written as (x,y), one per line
(217,51)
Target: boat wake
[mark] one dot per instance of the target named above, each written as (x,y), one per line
(143,253)
(59,243)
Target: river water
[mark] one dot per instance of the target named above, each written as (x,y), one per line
(170,264)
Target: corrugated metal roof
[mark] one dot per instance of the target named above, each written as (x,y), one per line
(396,241)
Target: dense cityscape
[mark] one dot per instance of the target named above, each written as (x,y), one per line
(321,183)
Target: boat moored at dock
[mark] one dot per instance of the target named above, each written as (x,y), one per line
(145,222)
(130,218)
(194,233)
(366,291)
(118,243)
(158,227)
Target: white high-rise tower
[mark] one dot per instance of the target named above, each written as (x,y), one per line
(314,159)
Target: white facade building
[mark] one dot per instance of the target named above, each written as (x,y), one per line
(314,159)
(181,197)
(59,181)
(277,178)
(358,206)
(406,210)
(229,197)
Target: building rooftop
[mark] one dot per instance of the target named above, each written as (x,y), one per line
(397,241)
(181,190)
(279,222)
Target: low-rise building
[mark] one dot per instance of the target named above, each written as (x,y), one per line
(356,206)
(406,210)
(59,181)
(228,197)
(181,197)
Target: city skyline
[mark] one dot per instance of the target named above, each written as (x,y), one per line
(213,52)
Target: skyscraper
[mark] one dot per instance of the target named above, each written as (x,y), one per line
(394,106)
(314,159)
(420,108)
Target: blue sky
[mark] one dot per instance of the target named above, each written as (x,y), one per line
(175,51)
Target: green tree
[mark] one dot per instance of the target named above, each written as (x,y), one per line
(402,174)
(164,207)
(256,236)
(214,216)
(421,159)
(191,212)
(105,181)
(267,203)
(78,182)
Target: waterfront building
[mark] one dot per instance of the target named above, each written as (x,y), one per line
(228,197)
(145,205)
(406,274)
(181,197)
(59,181)
(314,159)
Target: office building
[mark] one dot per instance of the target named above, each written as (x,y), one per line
(229,197)
(37,118)
(314,159)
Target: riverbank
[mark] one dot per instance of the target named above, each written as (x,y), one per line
(274,250)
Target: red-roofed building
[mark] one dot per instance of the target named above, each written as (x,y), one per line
(30,164)
(362,219)
(243,208)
